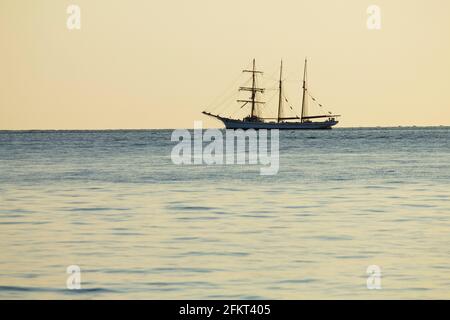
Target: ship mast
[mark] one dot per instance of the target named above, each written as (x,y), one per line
(253,89)
(280,97)
(303,111)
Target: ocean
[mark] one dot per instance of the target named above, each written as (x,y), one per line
(140,227)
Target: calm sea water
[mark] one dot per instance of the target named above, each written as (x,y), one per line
(141,227)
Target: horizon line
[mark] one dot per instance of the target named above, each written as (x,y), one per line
(222,128)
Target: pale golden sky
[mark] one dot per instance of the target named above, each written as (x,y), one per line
(157,64)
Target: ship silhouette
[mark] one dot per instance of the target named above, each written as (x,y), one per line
(302,121)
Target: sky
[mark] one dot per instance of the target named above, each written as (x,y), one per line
(141,64)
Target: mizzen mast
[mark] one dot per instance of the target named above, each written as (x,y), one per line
(280,92)
(303,111)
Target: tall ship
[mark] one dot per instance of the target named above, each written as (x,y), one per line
(254,119)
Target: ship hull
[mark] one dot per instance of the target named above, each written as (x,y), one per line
(317,125)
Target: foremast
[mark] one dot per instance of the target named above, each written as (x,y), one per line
(253,89)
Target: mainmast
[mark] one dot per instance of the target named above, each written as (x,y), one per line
(303,111)
(253,89)
(280,97)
